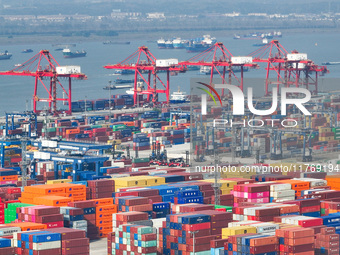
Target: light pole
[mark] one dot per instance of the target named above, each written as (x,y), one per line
(110,101)
(85,105)
(193,240)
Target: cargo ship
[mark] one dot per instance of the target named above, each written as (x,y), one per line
(27,51)
(258,35)
(5,55)
(76,54)
(264,43)
(179,97)
(161,43)
(123,71)
(169,44)
(113,42)
(178,43)
(200,44)
(330,63)
(123,81)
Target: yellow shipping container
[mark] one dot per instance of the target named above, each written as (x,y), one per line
(226,232)
(58,181)
(226,191)
(152,180)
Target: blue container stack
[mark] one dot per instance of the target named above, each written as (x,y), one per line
(161,209)
(150,115)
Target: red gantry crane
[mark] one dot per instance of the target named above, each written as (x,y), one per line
(43,67)
(290,69)
(218,60)
(145,68)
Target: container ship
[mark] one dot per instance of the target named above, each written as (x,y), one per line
(113,42)
(161,43)
(27,51)
(5,55)
(178,43)
(330,63)
(200,44)
(258,35)
(76,54)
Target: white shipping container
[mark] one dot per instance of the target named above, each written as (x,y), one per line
(282,193)
(46,246)
(279,187)
(296,56)
(242,60)
(68,69)
(166,62)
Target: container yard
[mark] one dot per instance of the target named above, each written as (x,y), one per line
(136,174)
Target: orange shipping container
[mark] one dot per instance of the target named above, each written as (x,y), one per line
(103,201)
(106,209)
(9,178)
(52,200)
(27,226)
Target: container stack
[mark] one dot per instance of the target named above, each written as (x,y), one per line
(134,204)
(2,213)
(48,215)
(89,208)
(104,210)
(141,142)
(296,240)
(327,242)
(188,196)
(252,244)
(134,239)
(160,210)
(53,194)
(101,188)
(11,211)
(281,192)
(177,137)
(253,193)
(217,246)
(74,218)
(297,185)
(11,193)
(184,231)
(8,176)
(73,241)
(6,247)
(128,217)
(40,242)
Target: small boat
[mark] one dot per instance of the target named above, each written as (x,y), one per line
(264,43)
(122,81)
(179,97)
(330,63)
(124,71)
(111,86)
(17,65)
(5,55)
(58,49)
(27,51)
(76,54)
(113,42)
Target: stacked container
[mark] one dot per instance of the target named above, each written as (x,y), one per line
(128,217)
(11,211)
(141,142)
(296,240)
(73,241)
(253,193)
(104,210)
(74,218)
(6,247)
(8,176)
(101,188)
(327,242)
(252,244)
(39,242)
(48,215)
(134,239)
(89,208)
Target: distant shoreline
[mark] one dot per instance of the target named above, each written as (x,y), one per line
(131,36)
